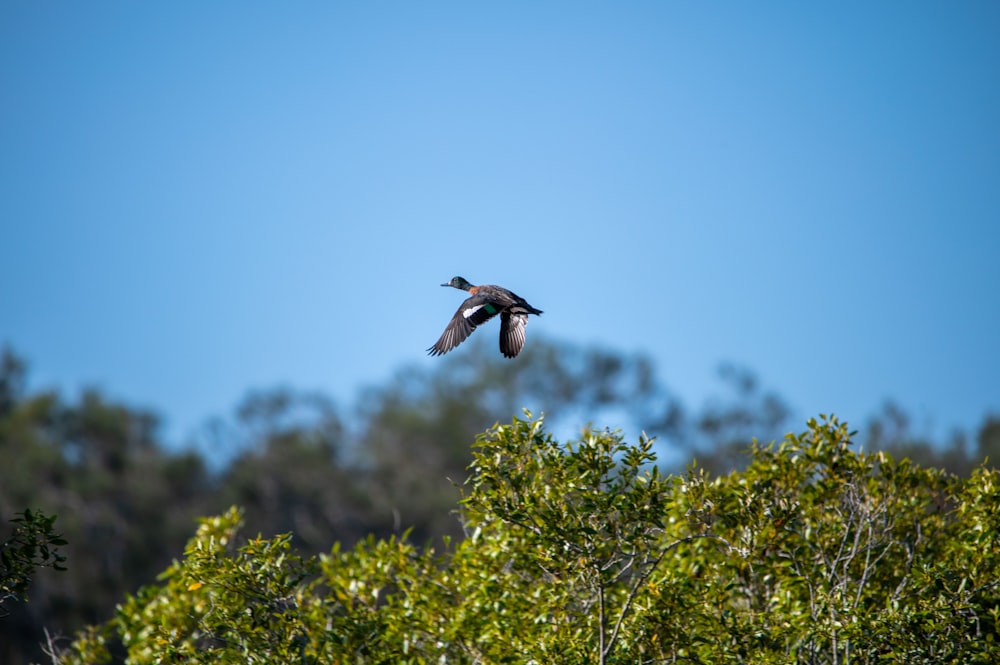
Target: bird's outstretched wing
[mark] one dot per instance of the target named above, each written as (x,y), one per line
(475,311)
(512,323)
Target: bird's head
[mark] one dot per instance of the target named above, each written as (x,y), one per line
(459,283)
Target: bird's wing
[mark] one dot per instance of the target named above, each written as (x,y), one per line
(475,311)
(512,323)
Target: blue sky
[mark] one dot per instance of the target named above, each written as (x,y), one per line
(202,198)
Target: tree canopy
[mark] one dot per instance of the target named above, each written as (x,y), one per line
(583,552)
(297,463)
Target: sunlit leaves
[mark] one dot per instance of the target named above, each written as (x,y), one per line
(583,552)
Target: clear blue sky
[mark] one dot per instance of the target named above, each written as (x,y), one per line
(197,199)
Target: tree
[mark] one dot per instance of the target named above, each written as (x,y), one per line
(33,545)
(297,465)
(582,552)
(290,474)
(717,436)
(417,428)
(125,506)
(988,441)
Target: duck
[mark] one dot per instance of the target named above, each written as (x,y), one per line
(484,302)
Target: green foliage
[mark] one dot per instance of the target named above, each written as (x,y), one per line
(124,507)
(293,463)
(591,519)
(34,544)
(238,604)
(126,500)
(585,553)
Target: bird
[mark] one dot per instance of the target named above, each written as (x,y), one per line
(485,302)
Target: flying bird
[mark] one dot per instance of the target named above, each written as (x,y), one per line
(485,302)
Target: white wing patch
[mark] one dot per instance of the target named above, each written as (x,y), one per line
(471,310)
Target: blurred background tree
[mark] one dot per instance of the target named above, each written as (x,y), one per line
(123,502)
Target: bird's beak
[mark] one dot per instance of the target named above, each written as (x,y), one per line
(446,285)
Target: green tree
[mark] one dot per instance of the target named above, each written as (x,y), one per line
(34,544)
(582,552)
(124,505)
(295,465)
(126,500)
(417,427)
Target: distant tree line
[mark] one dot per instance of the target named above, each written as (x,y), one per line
(297,463)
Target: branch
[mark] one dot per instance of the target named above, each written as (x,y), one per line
(634,591)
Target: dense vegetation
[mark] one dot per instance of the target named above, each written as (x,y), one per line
(585,553)
(570,552)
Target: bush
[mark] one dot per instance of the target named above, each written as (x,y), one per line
(583,552)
